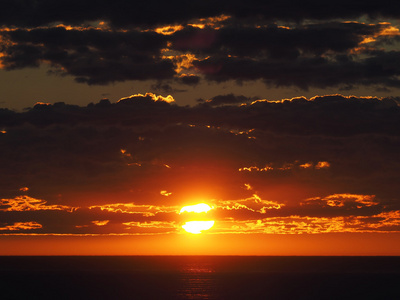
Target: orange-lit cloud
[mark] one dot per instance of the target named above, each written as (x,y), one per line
(168,30)
(151,96)
(165,193)
(132,208)
(287,166)
(182,62)
(322,165)
(152,227)
(21,226)
(214,22)
(248,186)
(341,200)
(26,203)
(101,222)
(254,204)
(387,30)
(384,222)
(151,224)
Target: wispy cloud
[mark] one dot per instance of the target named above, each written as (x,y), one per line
(26,203)
(17,226)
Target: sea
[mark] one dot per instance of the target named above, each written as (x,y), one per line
(199,277)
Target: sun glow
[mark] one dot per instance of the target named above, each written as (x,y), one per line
(196,227)
(198,208)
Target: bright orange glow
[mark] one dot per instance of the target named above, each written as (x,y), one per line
(198,208)
(196,227)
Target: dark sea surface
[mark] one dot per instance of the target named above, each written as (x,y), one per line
(199,277)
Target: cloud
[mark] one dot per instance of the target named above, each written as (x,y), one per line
(227,99)
(153,227)
(190,79)
(100,222)
(18,226)
(306,72)
(26,203)
(384,223)
(145,99)
(254,204)
(341,200)
(131,208)
(280,42)
(144,157)
(120,13)
(343,54)
(93,56)
(286,167)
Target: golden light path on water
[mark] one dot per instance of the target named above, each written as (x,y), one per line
(196,227)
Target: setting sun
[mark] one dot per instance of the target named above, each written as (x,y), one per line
(196,227)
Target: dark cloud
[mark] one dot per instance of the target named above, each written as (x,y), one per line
(327,54)
(380,69)
(189,79)
(91,56)
(277,42)
(227,99)
(122,13)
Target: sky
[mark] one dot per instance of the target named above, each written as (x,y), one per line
(283,117)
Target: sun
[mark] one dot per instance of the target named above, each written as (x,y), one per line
(196,227)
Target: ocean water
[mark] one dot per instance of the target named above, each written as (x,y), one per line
(199,277)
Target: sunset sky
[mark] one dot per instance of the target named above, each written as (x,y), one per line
(283,117)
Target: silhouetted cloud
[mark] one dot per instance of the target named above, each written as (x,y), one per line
(216,47)
(93,56)
(121,13)
(320,72)
(227,99)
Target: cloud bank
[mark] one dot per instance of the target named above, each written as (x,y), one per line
(308,46)
(324,164)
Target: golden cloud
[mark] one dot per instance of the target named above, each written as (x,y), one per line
(131,208)
(383,223)
(21,226)
(154,97)
(101,223)
(26,203)
(287,166)
(340,200)
(254,204)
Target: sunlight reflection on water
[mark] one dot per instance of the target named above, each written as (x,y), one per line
(197,281)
